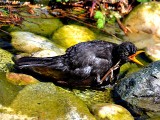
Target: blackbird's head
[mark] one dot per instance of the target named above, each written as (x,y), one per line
(127,52)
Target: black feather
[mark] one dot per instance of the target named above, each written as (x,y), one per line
(83,61)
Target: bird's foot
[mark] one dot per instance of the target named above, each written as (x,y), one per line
(110,73)
(98,79)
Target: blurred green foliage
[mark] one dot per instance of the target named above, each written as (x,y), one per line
(100,19)
(143,0)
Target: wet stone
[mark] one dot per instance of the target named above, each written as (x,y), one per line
(141,89)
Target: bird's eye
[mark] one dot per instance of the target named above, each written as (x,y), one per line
(126,53)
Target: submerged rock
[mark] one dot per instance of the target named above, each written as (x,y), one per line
(20,79)
(39,22)
(108,111)
(48,102)
(29,42)
(69,35)
(143,21)
(141,90)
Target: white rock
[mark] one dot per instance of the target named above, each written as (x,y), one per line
(153,52)
(109,111)
(44,53)
(28,42)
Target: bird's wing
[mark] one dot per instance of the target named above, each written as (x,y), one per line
(89,62)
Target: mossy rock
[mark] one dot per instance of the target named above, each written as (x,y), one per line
(70,35)
(8,91)
(98,96)
(6,62)
(48,102)
(40,26)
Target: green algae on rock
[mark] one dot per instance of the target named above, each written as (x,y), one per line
(42,25)
(46,101)
(8,91)
(108,111)
(98,96)
(6,62)
(29,42)
(70,35)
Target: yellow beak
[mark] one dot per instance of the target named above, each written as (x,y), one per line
(133,57)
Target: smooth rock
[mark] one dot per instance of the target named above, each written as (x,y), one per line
(45,53)
(109,111)
(143,22)
(70,35)
(141,90)
(153,52)
(28,42)
(5,116)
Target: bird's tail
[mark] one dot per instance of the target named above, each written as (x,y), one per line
(57,62)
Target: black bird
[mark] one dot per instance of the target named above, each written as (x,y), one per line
(84,64)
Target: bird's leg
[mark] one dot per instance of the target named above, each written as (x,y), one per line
(99,79)
(110,72)
(116,66)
